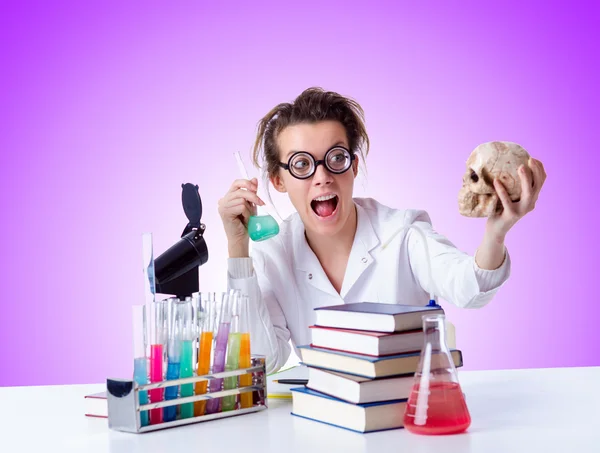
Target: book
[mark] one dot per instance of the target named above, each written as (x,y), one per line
(362,418)
(276,390)
(364,365)
(374,316)
(359,390)
(96,405)
(367,342)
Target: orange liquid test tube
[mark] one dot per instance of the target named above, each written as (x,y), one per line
(206,339)
(245,362)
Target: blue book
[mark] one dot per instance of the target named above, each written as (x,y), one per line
(366,365)
(362,418)
(373,316)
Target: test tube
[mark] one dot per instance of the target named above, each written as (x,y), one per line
(233,352)
(157,341)
(166,329)
(187,352)
(173,357)
(205,308)
(156,314)
(245,350)
(224,324)
(140,360)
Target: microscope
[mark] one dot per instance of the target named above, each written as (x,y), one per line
(176,270)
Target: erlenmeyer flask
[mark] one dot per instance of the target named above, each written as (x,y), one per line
(436,404)
(260,227)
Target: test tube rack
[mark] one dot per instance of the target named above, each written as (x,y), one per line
(124,406)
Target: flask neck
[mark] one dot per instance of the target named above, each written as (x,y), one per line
(435,332)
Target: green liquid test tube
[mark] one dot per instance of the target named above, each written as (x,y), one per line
(233,363)
(187,370)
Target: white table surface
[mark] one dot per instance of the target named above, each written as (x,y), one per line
(537,410)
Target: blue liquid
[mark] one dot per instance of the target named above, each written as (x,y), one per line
(140,375)
(170,413)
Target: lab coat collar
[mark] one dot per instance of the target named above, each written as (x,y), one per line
(365,240)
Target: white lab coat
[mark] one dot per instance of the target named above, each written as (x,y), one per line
(285,281)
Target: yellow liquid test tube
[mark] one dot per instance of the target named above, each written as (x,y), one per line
(206,339)
(245,362)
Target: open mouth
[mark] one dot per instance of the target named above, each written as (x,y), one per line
(325,206)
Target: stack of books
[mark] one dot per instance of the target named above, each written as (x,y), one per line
(361,365)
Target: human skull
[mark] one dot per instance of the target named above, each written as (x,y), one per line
(491,160)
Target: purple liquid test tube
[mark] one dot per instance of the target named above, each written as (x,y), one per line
(224,324)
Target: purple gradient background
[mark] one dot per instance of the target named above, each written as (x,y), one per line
(107,107)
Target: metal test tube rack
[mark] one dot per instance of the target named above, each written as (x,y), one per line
(124,406)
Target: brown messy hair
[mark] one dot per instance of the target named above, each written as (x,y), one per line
(311,106)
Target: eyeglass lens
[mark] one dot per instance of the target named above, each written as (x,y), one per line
(337,160)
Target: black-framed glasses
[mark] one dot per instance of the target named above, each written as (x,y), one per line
(302,165)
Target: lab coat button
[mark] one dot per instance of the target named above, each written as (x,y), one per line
(364,260)
(310,276)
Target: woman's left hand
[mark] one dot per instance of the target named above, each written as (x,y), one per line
(532,180)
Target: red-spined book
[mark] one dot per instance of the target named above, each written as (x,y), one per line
(367,342)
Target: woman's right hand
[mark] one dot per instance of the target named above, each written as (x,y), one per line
(235,209)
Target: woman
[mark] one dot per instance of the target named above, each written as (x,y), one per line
(329,252)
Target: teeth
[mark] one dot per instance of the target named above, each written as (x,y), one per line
(325,198)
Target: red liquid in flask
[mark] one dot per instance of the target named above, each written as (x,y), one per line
(442,411)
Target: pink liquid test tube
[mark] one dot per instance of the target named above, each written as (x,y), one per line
(157,346)
(157,335)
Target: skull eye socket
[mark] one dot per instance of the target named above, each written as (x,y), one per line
(474,176)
